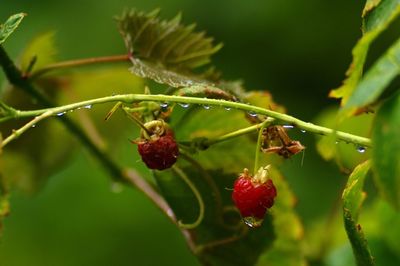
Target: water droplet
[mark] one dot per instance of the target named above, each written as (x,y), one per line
(288,126)
(88,106)
(252,221)
(34,125)
(252,114)
(184,105)
(164,105)
(302,131)
(361,149)
(117,187)
(207,107)
(61,114)
(228,108)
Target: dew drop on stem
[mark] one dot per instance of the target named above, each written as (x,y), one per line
(361,149)
(252,114)
(89,106)
(288,126)
(303,131)
(164,106)
(61,114)
(184,105)
(228,108)
(207,107)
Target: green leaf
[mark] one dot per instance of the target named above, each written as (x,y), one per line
(353,197)
(375,22)
(386,152)
(166,50)
(10,25)
(375,80)
(41,49)
(370,5)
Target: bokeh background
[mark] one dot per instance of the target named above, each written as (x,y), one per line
(298,50)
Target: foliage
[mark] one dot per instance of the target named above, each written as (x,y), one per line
(215,123)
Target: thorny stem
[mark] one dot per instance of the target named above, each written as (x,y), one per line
(131,98)
(80,62)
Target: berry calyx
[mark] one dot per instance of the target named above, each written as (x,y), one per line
(253,196)
(157,146)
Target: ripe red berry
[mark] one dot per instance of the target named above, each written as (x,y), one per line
(253,196)
(160,150)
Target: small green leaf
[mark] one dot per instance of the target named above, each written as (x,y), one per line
(165,50)
(375,23)
(386,152)
(375,80)
(10,25)
(42,49)
(370,5)
(353,197)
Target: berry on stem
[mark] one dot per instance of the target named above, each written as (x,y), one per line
(159,149)
(253,196)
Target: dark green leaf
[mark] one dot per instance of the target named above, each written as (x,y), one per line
(353,196)
(386,152)
(166,51)
(375,23)
(10,25)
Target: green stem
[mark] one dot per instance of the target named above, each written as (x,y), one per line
(80,62)
(258,146)
(196,193)
(284,118)
(236,133)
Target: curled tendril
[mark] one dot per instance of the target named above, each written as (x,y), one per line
(197,194)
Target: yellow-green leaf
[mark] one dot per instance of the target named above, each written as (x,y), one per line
(10,25)
(377,21)
(353,197)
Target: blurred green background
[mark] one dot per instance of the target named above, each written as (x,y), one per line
(298,50)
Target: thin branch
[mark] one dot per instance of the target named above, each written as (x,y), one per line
(284,118)
(16,133)
(258,146)
(80,62)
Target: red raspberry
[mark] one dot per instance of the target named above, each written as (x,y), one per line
(253,196)
(160,150)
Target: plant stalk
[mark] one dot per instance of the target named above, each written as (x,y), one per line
(131,98)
